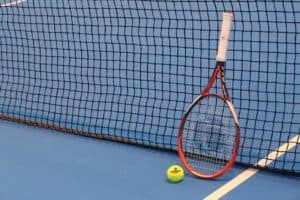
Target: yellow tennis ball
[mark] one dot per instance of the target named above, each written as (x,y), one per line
(175,173)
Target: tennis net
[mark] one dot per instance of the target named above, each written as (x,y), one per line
(125,70)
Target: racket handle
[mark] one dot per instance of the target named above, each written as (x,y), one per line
(224,36)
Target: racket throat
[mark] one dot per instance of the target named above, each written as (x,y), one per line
(217,74)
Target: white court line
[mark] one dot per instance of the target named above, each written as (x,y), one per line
(248,173)
(12,3)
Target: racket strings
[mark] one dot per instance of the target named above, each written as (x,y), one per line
(209,136)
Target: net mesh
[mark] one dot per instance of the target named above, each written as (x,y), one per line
(126,69)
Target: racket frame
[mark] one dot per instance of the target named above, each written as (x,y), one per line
(217,74)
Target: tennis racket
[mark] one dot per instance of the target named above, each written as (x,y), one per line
(209,132)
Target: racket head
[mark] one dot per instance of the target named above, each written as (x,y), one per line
(209,136)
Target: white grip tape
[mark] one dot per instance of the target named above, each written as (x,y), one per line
(224,36)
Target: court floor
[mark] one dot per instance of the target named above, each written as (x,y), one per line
(43,164)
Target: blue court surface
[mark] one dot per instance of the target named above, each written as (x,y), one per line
(38,163)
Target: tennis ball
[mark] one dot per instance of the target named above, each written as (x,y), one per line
(175,173)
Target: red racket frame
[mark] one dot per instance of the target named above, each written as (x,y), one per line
(217,74)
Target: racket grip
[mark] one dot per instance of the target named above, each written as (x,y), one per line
(224,36)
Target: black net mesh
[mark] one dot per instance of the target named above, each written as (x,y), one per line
(126,69)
